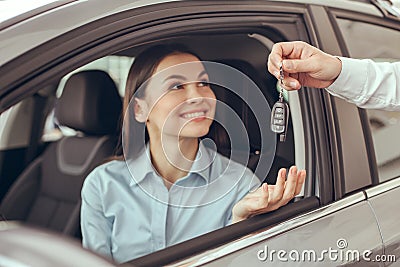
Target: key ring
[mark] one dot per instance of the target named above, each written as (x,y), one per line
(281,74)
(281,77)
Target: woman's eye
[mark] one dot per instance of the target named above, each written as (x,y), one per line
(204,84)
(176,86)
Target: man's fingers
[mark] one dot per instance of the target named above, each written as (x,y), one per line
(279,51)
(299,65)
(274,61)
(294,55)
(293,49)
(290,83)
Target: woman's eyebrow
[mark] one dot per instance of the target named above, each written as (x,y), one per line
(204,72)
(181,77)
(175,76)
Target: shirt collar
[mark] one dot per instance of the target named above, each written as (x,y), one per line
(141,166)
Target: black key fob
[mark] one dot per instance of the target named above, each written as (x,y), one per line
(280,119)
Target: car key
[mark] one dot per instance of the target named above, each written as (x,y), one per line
(280,113)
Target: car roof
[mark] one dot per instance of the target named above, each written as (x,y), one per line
(28,30)
(12,9)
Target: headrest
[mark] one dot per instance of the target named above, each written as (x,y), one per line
(90,103)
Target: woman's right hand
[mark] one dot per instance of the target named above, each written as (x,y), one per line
(270,197)
(306,65)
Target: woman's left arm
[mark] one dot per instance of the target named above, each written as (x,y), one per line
(270,197)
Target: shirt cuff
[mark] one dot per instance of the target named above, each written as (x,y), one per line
(351,80)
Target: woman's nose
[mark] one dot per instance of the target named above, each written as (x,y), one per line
(193,93)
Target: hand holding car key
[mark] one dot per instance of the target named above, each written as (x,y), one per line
(280,112)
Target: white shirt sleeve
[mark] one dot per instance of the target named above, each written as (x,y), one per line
(368,84)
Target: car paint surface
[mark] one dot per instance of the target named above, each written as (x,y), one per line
(77,13)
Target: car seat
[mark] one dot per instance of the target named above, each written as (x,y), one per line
(47,193)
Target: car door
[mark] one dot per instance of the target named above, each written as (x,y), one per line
(380,43)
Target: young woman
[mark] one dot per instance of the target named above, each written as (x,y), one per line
(166,186)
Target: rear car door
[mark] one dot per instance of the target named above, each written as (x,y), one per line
(381,37)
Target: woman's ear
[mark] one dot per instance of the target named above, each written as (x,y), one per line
(141,110)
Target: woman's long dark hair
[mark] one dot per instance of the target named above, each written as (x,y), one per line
(141,71)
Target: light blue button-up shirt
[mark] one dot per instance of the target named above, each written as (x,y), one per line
(128,212)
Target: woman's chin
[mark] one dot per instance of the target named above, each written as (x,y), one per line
(194,131)
(200,126)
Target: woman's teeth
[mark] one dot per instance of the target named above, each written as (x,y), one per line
(193,115)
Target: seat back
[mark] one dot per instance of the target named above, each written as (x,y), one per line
(47,193)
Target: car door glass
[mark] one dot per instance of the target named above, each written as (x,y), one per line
(381,44)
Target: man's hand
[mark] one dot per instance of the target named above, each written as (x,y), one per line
(305,64)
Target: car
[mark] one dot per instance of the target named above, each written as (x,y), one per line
(51,136)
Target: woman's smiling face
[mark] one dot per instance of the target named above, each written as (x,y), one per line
(178,99)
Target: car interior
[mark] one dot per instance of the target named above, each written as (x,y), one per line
(46,191)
